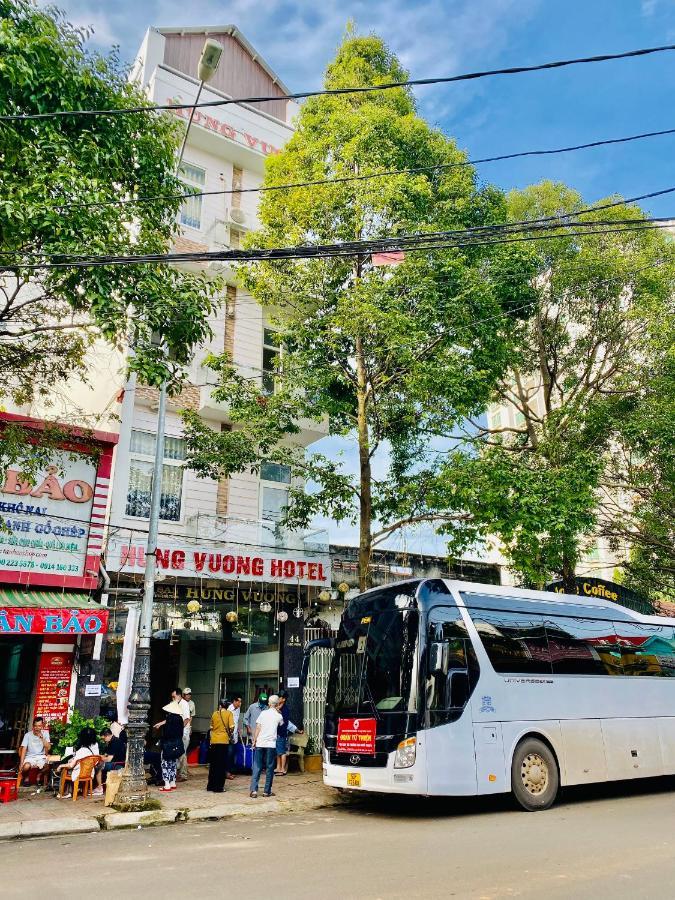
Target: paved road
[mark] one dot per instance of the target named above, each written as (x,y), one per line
(613,841)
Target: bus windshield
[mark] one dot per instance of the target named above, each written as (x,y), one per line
(374,669)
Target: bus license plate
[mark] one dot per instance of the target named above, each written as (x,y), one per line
(353,779)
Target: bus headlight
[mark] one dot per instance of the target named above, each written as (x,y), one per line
(405,753)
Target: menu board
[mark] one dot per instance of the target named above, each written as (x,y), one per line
(53,686)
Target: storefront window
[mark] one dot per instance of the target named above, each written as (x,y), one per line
(142,452)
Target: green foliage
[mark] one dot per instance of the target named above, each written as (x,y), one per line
(586,390)
(52,174)
(65,734)
(642,468)
(392,355)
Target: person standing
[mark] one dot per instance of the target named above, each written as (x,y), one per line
(252,713)
(222,732)
(178,696)
(235,709)
(172,743)
(187,732)
(265,746)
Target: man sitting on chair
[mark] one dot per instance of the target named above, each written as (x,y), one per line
(34,749)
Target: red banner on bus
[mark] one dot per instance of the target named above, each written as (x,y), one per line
(356,736)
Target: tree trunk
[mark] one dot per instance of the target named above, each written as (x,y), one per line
(366,506)
(568,574)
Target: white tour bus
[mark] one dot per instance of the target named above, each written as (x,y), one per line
(450,688)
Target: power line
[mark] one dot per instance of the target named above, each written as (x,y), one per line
(414,243)
(367,177)
(528,223)
(301,95)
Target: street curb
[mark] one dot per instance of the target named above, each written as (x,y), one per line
(118,821)
(46,827)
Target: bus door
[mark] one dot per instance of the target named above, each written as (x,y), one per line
(450,675)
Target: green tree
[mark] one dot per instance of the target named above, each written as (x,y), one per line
(640,476)
(543,478)
(389,356)
(56,178)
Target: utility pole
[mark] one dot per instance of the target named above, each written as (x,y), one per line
(133,790)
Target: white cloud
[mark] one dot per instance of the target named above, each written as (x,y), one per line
(299,37)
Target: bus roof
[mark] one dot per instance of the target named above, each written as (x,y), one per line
(599,605)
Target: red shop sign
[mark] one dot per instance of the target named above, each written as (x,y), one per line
(19,620)
(53,686)
(356,736)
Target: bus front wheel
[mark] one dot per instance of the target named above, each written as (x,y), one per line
(534,775)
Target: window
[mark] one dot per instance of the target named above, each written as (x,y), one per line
(271,355)
(514,641)
(270,471)
(646,649)
(448,693)
(274,496)
(582,646)
(194,179)
(142,453)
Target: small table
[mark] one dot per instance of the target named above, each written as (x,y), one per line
(8,760)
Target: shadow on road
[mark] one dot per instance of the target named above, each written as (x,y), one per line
(399,806)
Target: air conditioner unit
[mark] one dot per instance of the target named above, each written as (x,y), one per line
(219,234)
(238,217)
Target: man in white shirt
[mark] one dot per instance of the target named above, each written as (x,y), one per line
(178,696)
(265,746)
(34,749)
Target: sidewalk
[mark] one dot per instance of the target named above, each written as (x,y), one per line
(37,815)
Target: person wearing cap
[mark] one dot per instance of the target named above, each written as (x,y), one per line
(265,746)
(172,742)
(187,731)
(252,713)
(222,731)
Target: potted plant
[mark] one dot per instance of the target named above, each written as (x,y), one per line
(312,759)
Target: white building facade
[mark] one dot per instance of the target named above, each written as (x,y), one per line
(228,575)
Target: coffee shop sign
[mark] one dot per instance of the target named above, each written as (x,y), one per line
(213,124)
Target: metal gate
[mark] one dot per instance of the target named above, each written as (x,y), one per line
(314,695)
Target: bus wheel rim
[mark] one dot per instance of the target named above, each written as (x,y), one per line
(534,774)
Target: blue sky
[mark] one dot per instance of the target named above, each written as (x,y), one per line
(487,117)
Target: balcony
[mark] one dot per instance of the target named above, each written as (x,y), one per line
(255,532)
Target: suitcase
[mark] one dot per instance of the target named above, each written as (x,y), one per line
(243,757)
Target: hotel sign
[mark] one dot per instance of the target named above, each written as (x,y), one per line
(222,561)
(210,123)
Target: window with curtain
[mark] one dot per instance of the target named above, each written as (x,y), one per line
(194,179)
(142,454)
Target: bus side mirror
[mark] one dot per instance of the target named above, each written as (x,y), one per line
(310,646)
(304,670)
(439,657)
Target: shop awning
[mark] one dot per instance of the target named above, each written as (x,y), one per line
(51,613)
(20,599)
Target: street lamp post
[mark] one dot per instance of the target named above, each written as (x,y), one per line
(133,790)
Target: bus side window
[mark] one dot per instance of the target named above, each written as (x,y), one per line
(448,690)
(583,646)
(515,642)
(646,649)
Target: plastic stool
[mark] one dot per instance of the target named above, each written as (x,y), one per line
(8,791)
